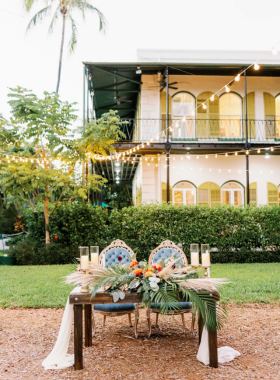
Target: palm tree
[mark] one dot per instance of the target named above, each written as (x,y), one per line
(64,8)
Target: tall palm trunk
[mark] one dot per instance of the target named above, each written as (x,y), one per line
(61,50)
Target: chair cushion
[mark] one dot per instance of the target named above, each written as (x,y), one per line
(180,305)
(111,257)
(114,308)
(164,253)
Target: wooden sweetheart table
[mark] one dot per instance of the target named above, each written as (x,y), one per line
(79,299)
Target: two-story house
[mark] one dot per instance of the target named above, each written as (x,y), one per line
(223,129)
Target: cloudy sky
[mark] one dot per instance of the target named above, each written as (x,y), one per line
(31,59)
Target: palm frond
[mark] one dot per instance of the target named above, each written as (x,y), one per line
(39,16)
(84,6)
(55,17)
(28,4)
(73,39)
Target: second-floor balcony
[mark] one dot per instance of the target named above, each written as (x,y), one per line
(207,130)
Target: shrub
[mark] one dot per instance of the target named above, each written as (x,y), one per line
(250,234)
(24,251)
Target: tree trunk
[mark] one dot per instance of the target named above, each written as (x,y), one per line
(61,51)
(47,219)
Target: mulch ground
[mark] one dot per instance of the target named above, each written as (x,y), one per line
(28,335)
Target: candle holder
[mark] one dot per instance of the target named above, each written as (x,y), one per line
(194,249)
(84,265)
(205,258)
(94,254)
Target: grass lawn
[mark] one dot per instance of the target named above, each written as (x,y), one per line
(41,286)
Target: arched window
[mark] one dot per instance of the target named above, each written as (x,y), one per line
(184,193)
(277,103)
(230,115)
(253,193)
(269,112)
(232,194)
(272,194)
(183,106)
(207,124)
(209,193)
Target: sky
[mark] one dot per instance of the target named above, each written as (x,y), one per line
(30,59)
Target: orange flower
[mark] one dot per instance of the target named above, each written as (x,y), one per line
(148,274)
(138,271)
(157,266)
(133,263)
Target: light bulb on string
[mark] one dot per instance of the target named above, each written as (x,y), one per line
(212,98)
(229,170)
(137,147)
(226,154)
(247,151)
(216,155)
(148,142)
(274,51)
(259,151)
(239,171)
(227,88)
(219,170)
(272,149)
(181,158)
(176,124)
(184,119)
(236,153)
(206,156)
(170,129)
(210,170)
(237,78)
(197,157)
(256,66)
(204,106)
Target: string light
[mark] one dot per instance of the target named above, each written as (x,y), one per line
(247,151)
(206,156)
(274,51)
(236,153)
(237,78)
(216,156)
(176,124)
(204,106)
(226,154)
(212,98)
(256,66)
(184,119)
(259,151)
(227,88)
(272,149)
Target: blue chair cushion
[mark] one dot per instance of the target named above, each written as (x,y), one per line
(111,257)
(115,307)
(181,306)
(165,253)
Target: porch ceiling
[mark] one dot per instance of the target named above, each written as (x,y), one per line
(110,79)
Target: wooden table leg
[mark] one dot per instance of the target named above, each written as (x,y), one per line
(213,348)
(200,326)
(78,337)
(88,326)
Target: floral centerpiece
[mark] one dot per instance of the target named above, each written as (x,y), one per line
(165,284)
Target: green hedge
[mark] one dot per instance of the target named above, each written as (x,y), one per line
(240,235)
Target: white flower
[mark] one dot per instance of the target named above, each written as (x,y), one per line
(154,282)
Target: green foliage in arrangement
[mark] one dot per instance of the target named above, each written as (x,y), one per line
(240,235)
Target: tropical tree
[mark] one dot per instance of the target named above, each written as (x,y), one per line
(65,9)
(41,158)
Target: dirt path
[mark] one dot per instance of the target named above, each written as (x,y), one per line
(27,336)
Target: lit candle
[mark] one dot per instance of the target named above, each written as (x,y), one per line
(84,262)
(206,259)
(94,257)
(194,259)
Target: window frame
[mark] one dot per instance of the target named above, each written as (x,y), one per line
(194,189)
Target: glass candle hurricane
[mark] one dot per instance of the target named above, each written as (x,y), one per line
(194,249)
(94,254)
(205,255)
(84,258)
